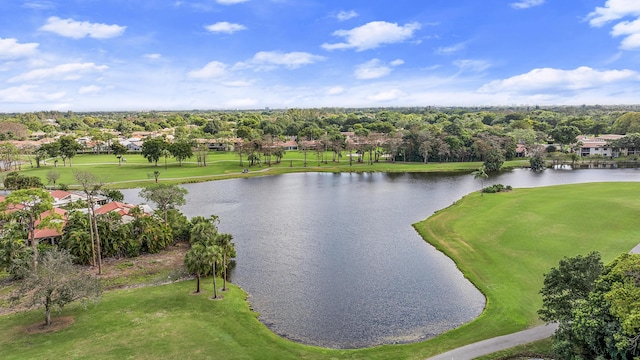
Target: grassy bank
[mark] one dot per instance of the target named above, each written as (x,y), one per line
(505,242)
(137,171)
(502,242)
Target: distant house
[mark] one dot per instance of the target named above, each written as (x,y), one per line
(598,145)
(132,144)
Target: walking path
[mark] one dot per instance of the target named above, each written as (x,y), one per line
(490,346)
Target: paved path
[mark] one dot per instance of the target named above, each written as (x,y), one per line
(490,346)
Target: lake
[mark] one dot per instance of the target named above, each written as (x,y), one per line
(332,259)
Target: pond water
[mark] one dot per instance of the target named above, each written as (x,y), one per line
(332,259)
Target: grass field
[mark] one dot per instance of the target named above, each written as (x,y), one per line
(502,242)
(137,171)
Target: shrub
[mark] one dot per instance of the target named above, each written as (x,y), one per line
(496,188)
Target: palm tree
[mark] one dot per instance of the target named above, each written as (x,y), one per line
(480,174)
(197,261)
(228,252)
(215,255)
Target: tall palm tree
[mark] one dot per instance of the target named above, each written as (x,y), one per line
(228,252)
(214,252)
(197,260)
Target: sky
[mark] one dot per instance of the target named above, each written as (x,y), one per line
(137,55)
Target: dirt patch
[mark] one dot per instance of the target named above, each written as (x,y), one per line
(57,324)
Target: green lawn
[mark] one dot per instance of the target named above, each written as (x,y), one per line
(502,242)
(137,171)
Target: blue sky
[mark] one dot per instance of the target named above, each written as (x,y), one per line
(93,55)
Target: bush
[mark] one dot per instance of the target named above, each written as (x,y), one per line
(496,188)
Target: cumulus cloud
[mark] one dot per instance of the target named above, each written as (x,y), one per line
(374,69)
(373,35)
(72,71)
(613,10)
(81,29)
(549,79)
(230,2)
(214,69)
(346,15)
(225,27)
(269,60)
(11,49)
(525,4)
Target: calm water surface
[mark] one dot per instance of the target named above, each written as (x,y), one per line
(332,259)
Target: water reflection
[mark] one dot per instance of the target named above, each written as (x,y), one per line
(332,259)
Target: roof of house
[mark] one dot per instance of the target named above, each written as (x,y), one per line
(50,232)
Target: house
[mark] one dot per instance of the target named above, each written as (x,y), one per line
(598,145)
(52,234)
(123,210)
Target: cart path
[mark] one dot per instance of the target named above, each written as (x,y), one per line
(490,346)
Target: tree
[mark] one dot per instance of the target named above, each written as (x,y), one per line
(15,181)
(152,149)
(565,135)
(91,187)
(56,282)
(537,162)
(29,205)
(68,148)
(568,284)
(13,252)
(481,174)
(228,252)
(197,260)
(119,151)
(113,194)
(493,160)
(181,150)
(52,177)
(165,196)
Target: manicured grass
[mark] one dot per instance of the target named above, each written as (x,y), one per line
(137,171)
(505,242)
(502,242)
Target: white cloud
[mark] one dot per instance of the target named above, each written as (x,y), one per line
(375,68)
(27,94)
(230,2)
(525,4)
(80,29)
(39,5)
(614,10)
(555,80)
(90,89)
(386,96)
(11,49)
(346,15)
(152,56)
(472,65)
(373,35)
(336,90)
(448,50)
(71,71)
(225,27)
(214,69)
(269,60)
